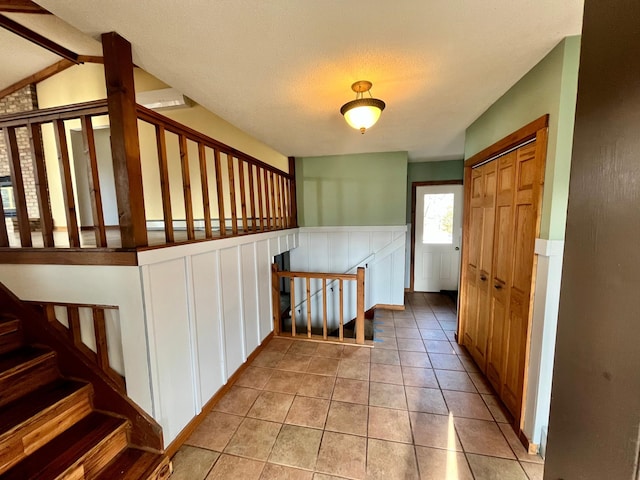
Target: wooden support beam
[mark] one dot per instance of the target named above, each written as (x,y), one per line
(125,147)
(37,77)
(22,6)
(40,40)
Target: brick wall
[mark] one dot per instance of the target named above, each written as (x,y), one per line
(21,101)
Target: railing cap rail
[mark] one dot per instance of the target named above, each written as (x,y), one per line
(319,275)
(44,115)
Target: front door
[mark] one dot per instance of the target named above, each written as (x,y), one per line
(438,228)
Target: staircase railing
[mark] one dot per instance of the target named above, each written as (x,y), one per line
(308,328)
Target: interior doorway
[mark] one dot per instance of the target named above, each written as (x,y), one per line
(436,233)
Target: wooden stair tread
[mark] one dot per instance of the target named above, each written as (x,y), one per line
(132,464)
(66,449)
(9,325)
(31,404)
(22,358)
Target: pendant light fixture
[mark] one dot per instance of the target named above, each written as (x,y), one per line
(363,112)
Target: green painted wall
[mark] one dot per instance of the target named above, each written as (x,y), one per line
(550,87)
(431,172)
(343,190)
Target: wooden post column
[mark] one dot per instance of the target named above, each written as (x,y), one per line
(125,148)
(293,207)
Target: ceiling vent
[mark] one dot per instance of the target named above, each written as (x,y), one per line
(164,99)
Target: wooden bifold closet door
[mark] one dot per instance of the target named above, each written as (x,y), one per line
(503,199)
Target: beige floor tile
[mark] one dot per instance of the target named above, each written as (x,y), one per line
(411,344)
(468,364)
(254,377)
(268,359)
(237,400)
(254,439)
(215,431)
(324,476)
(482,437)
(381,330)
(229,466)
(352,391)
(308,412)
(448,326)
(444,361)
(388,357)
(419,377)
(451,336)
(281,345)
(303,348)
(272,406)
(360,354)
(386,373)
(387,395)
(405,322)
(491,468)
(468,405)
(329,350)
(497,409)
(414,359)
(316,386)
(535,471)
(191,463)
(433,334)
(386,343)
(296,447)
(284,382)
(279,472)
(428,323)
(347,418)
(428,400)
(481,383)
(391,461)
(354,369)
(459,349)
(407,332)
(294,362)
(452,380)
(438,346)
(389,424)
(436,431)
(438,464)
(323,366)
(342,455)
(521,453)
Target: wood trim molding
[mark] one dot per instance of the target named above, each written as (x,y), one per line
(523,134)
(43,74)
(67,256)
(22,6)
(414,186)
(186,432)
(384,306)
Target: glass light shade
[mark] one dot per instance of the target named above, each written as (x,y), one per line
(362,113)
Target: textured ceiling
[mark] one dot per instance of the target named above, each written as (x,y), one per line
(281,69)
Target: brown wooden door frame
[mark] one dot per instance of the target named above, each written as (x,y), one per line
(414,187)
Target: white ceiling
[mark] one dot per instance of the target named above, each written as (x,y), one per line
(281,69)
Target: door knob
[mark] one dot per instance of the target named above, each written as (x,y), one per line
(497,286)
(483,277)
(457,248)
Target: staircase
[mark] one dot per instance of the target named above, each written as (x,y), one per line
(49,426)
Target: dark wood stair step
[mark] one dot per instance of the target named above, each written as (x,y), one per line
(24,370)
(30,421)
(10,334)
(134,464)
(8,325)
(78,453)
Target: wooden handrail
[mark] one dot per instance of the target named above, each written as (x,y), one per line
(46,115)
(358,277)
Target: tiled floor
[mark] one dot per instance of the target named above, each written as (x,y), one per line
(413,407)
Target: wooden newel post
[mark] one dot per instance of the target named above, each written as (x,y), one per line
(360,306)
(293,207)
(125,147)
(275,292)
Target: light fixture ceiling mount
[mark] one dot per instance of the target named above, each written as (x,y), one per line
(363,112)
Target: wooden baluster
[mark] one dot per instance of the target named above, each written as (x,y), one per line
(267,200)
(186,186)
(67,183)
(292,298)
(73,316)
(42,187)
(232,195)
(252,197)
(278,201)
(282,202)
(243,195)
(219,191)
(360,306)
(50,312)
(260,198)
(292,192)
(340,328)
(204,181)
(100,331)
(275,295)
(165,189)
(94,181)
(287,202)
(309,307)
(324,308)
(15,168)
(273,202)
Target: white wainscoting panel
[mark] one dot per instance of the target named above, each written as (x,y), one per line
(250,299)
(232,308)
(263,263)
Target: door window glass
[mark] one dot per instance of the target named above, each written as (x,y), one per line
(438,218)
